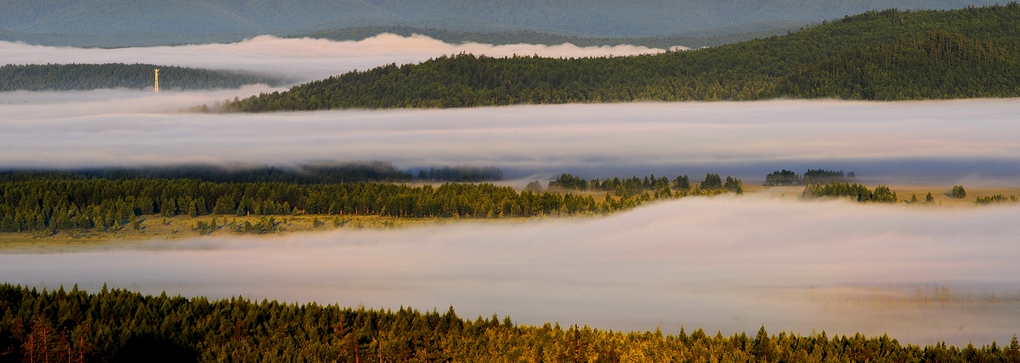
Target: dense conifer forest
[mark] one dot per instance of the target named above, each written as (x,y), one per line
(938,65)
(887,55)
(52,202)
(116,325)
(62,77)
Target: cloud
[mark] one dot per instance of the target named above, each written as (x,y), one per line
(936,141)
(918,142)
(726,263)
(300,60)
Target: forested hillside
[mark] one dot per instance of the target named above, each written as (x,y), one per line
(876,55)
(36,77)
(938,65)
(121,326)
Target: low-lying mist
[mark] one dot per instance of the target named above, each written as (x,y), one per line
(724,263)
(299,60)
(930,142)
(730,264)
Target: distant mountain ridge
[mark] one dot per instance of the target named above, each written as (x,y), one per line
(697,39)
(600,18)
(707,38)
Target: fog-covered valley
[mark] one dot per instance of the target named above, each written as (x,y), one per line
(725,263)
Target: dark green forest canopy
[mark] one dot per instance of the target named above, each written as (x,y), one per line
(938,65)
(54,201)
(62,77)
(857,192)
(116,325)
(887,55)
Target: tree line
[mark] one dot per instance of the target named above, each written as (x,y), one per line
(884,55)
(461,173)
(711,185)
(998,198)
(64,77)
(51,204)
(819,176)
(115,325)
(857,192)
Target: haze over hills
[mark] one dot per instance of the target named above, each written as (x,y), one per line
(598,18)
(695,39)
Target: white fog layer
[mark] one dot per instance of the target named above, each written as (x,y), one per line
(729,264)
(299,60)
(725,263)
(949,140)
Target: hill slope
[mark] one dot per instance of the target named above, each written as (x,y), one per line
(938,65)
(988,38)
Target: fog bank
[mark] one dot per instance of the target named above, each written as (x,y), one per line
(934,141)
(299,60)
(729,264)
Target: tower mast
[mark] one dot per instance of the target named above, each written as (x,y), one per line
(157,80)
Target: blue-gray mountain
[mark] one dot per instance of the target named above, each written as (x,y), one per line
(606,18)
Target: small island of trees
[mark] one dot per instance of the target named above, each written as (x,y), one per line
(820,176)
(857,192)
